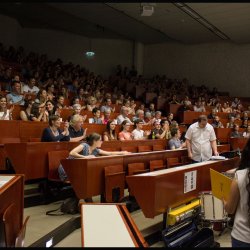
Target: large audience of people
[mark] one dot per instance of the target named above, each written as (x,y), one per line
(44,88)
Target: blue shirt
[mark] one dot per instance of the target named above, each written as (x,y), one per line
(15,98)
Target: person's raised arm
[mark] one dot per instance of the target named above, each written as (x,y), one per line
(107,153)
(75,152)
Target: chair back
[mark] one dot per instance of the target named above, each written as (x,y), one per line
(55,158)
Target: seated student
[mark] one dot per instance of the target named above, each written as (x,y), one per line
(96,119)
(244,124)
(164,131)
(156,131)
(175,142)
(106,117)
(110,133)
(235,133)
(107,106)
(25,114)
(77,111)
(123,115)
(60,102)
(125,134)
(170,118)
(5,113)
(198,107)
(90,149)
(231,123)
(138,133)
(246,134)
(76,132)
(38,112)
(217,123)
(15,96)
(53,133)
(226,108)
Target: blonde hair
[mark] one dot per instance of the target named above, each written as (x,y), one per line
(75,118)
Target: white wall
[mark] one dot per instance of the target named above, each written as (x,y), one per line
(68,46)
(222,65)
(71,47)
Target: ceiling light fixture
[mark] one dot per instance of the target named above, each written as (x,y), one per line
(185,8)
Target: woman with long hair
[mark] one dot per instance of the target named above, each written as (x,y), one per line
(125,134)
(5,113)
(110,134)
(238,202)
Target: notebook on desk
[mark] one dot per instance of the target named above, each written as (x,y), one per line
(220,184)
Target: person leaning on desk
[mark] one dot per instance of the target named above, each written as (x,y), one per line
(92,149)
(86,150)
(201,140)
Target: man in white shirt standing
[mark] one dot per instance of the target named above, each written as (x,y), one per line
(138,133)
(201,140)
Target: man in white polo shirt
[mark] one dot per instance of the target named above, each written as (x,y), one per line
(201,140)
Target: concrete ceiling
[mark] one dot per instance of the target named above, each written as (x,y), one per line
(123,20)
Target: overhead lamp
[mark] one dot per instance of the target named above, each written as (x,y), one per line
(90,53)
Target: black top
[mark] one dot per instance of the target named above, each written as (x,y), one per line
(48,136)
(73,133)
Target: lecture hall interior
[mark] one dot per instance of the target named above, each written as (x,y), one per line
(113,117)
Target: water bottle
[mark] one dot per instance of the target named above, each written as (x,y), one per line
(153,135)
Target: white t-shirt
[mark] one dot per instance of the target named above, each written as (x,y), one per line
(246,135)
(138,134)
(241,228)
(27,89)
(6,117)
(201,141)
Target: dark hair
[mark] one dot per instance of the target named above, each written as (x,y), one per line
(137,121)
(53,118)
(54,107)
(35,109)
(108,129)
(123,124)
(163,121)
(174,131)
(94,110)
(92,137)
(27,103)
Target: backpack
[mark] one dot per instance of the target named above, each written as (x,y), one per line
(69,206)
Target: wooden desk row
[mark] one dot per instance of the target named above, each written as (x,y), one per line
(31,158)
(87,175)
(223,134)
(157,191)
(24,131)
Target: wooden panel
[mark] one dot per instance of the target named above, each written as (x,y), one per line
(9,129)
(238,143)
(12,192)
(156,191)
(87,175)
(189,117)
(32,157)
